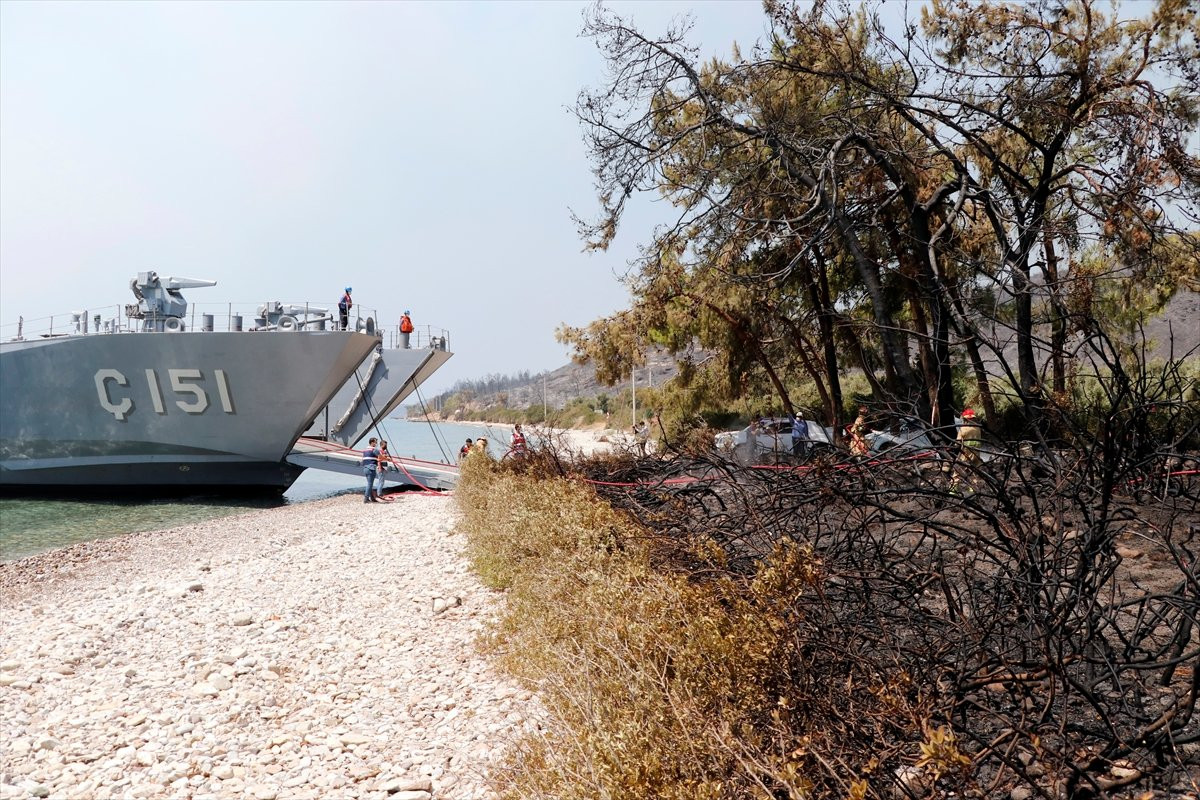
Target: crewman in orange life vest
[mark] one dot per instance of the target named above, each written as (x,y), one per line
(406,327)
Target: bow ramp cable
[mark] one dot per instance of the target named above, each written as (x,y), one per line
(433,429)
(362,390)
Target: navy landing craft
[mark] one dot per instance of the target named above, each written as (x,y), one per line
(146,400)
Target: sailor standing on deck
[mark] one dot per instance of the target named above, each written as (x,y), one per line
(406,328)
(344,306)
(370,461)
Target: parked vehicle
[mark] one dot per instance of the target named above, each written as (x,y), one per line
(907,441)
(769,441)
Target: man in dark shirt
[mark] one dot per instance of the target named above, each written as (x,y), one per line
(370,462)
(344,306)
(799,437)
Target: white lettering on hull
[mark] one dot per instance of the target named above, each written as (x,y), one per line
(118,410)
(187,384)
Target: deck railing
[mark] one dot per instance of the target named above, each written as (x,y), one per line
(204,317)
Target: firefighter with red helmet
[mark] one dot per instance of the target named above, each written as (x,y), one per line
(970,438)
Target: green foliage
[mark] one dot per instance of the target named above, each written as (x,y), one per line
(835,213)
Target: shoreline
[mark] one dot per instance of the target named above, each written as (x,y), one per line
(324,649)
(585,441)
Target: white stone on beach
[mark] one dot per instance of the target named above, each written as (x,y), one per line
(401,785)
(219,681)
(336,683)
(441,604)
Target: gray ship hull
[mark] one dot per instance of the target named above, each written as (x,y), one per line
(165,412)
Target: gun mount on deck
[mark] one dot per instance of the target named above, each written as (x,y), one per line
(160,305)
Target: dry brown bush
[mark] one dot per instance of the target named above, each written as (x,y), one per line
(707,631)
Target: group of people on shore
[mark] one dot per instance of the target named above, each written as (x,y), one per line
(479,445)
(375,461)
(347,302)
(969,441)
(518,447)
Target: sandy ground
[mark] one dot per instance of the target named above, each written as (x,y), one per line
(327,649)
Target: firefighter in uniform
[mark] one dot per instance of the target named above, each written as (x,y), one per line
(858,434)
(970,437)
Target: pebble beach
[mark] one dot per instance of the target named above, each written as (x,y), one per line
(322,650)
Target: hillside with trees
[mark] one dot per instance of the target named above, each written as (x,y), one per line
(570,396)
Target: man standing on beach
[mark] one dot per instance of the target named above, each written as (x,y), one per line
(385,458)
(370,461)
(517,447)
(641,435)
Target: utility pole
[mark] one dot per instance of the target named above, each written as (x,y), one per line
(633,393)
(545,405)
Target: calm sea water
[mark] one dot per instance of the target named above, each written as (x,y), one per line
(36,525)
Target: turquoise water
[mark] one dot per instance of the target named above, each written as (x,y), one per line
(36,525)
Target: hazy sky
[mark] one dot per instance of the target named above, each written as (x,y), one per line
(421,152)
